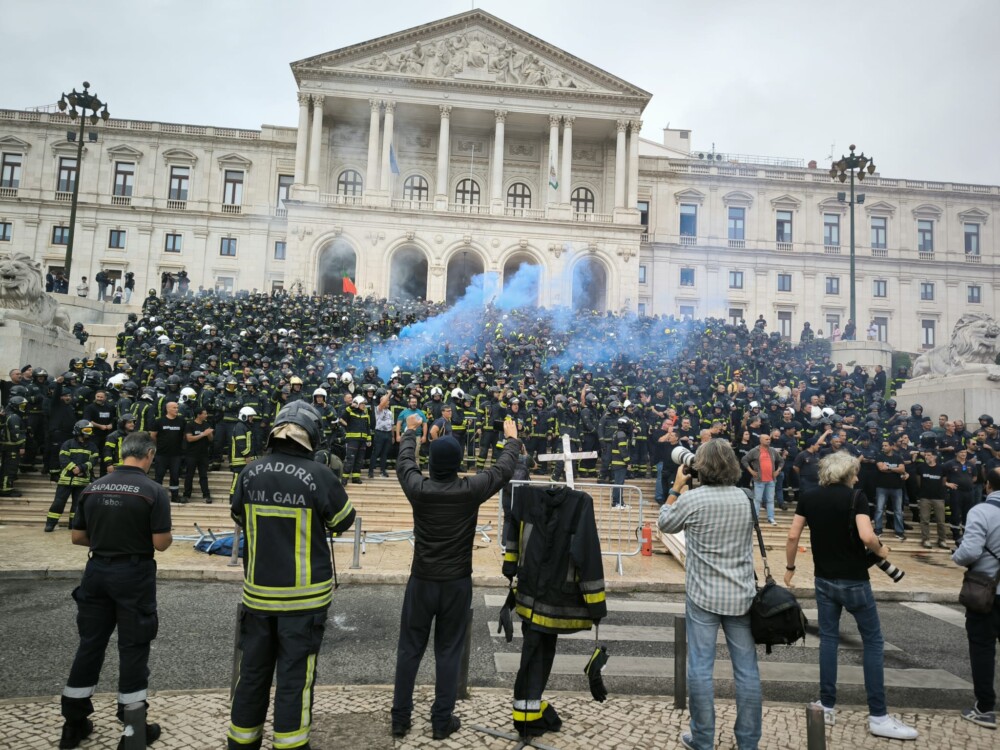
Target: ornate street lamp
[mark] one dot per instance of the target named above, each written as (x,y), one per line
(841,170)
(79,103)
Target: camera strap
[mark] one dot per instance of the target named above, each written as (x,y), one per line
(760,536)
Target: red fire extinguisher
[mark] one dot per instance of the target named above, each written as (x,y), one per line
(647,540)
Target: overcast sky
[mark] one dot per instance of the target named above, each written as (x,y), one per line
(916,83)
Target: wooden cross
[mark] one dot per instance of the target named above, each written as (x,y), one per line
(567,457)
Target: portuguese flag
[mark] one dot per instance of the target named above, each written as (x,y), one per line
(349,287)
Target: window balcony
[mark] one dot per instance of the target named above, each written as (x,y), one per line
(232,208)
(687,239)
(925,254)
(783,247)
(880,252)
(831,249)
(738,244)
(281,213)
(523,213)
(174,205)
(644,238)
(591,217)
(121,200)
(412,204)
(8,192)
(340,199)
(64,196)
(973,258)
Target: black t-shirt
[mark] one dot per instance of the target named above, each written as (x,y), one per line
(102,414)
(931,481)
(890,479)
(201,447)
(830,514)
(169,436)
(808,465)
(121,511)
(964,475)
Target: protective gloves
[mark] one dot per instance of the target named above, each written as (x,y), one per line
(595,665)
(506,623)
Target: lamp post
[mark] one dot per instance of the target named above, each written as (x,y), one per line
(842,170)
(79,103)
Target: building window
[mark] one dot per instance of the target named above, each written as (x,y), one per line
(416,188)
(232,193)
(116,239)
(689,220)
(832,322)
(643,207)
(225,284)
(975,293)
(277,285)
(518,196)
(124,178)
(687,311)
(927,291)
(687,277)
(735,315)
(783,227)
(227,247)
(10,171)
(925,236)
(737,223)
(642,309)
(179,178)
(172,243)
(879,227)
(60,235)
(735,279)
(349,182)
(467,192)
(881,328)
(279,250)
(284,185)
(833,285)
(927,334)
(5,231)
(582,200)
(784,282)
(67,174)
(971,238)
(642,274)
(785,324)
(880,288)
(831,229)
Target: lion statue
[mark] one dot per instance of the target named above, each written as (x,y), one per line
(974,346)
(22,296)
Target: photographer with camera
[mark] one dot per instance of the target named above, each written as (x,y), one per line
(841,535)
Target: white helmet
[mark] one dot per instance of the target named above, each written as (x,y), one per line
(815,412)
(458,394)
(626,404)
(827,411)
(206,328)
(159,329)
(435,391)
(395,370)
(188,394)
(346,378)
(358,401)
(102,353)
(163,340)
(332,375)
(754,405)
(319,392)
(282,331)
(246,413)
(117,381)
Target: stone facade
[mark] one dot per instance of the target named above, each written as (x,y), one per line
(467,145)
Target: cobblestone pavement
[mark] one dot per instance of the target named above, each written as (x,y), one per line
(358,717)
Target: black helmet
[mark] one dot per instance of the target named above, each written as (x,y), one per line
(302,414)
(18,390)
(614,404)
(871,425)
(125,418)
(891,403)
(928,439)
(985,419)
(915,408)
(18,403)
(83,428)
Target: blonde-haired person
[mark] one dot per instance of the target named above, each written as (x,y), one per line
(840,531)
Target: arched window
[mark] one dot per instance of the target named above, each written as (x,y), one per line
(415,188)
(582,200)
(518,196)
(349,182)
(467,192)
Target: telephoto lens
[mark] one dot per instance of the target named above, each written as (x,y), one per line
(886,567)
(682,456)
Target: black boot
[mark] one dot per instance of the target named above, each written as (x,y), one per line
(75,732)
(454,724)
(50,525)
(152,735)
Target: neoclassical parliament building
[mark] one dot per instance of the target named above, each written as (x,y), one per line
(467,145)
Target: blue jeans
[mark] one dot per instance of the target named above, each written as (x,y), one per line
(832,597)
(881,493)
(702,630)
(618,474)
(764,492)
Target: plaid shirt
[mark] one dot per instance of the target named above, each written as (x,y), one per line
(718,530)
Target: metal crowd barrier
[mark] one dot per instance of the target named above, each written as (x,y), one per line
(618,528)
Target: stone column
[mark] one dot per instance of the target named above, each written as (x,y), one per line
(444,160)
(622,126)
(316,146)
(567,159)
(301,140)
(371,171)
(633,164)
(552,193)
(496,183)
(385,180)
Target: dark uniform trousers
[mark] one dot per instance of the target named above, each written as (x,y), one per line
(291,644)
(117,591)
(199,462)
(170,464)
(588,466)
(354,461)
(533,716)
(10,461)
(63,493)
(488,442)
(446,603)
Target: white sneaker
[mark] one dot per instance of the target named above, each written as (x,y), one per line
(891,728)
(829,714)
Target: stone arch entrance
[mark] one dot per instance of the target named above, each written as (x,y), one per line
(337,260)
(590,285)
(408,274)
(521,277)
(462,267)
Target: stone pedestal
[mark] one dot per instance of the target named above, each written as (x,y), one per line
(864,353)
(958,396)
(23,343)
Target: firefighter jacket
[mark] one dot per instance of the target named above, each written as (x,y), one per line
(543,423)
(358,425)
(12,432)
(230,403)
(242,446)
(568,423)
(620,450)
(113,449)
(553,548)
(83,456)
(145,414)
(287,502)
(588,421)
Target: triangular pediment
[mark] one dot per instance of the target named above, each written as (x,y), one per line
(236,161)
(469,48)
(880,208)
(786,201)
(13,143)
(689,196)
(974,215)
(124,152)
